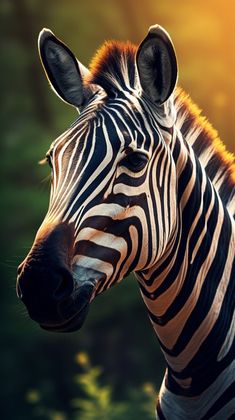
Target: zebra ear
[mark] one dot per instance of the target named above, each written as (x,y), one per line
(63,70)
(157,65)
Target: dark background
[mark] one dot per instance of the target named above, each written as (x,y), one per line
(117,334)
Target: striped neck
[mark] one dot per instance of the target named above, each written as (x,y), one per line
(187,293)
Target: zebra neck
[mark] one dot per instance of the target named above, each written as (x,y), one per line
(187,295)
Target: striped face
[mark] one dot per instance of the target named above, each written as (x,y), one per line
(113,178)
(113,191)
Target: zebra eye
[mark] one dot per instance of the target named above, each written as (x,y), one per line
(135,161)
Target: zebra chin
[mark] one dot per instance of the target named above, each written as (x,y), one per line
(73,310)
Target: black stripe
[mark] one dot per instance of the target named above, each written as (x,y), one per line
(103,253)
(221,402)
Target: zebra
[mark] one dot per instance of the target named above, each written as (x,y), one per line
(140,183)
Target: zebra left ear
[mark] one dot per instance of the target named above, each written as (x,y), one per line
(64,72)
(157,65)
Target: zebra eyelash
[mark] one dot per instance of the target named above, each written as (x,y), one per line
(43,161)
(46,160)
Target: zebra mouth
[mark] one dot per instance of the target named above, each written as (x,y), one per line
(73,310)
(71,325)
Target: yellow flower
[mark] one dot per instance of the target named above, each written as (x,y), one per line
(82,358)
(57,416)
(148,388)
(32,396)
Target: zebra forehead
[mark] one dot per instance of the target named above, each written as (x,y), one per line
(113,66)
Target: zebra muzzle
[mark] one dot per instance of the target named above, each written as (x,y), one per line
(48,286)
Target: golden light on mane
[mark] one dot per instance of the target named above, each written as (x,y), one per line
(220,152)
(113,67)
(110,49)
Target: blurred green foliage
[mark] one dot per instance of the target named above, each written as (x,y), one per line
(117,334)
(96,401)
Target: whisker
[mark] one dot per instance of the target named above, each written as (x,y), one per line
(8,264)
(46,180)
(21,310)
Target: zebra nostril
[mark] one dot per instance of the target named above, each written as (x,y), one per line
(65,286)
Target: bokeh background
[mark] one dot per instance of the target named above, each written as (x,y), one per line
(42,373)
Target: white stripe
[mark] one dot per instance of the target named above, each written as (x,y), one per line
(175,407)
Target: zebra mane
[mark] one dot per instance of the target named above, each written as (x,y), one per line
(113,67)
(211,152)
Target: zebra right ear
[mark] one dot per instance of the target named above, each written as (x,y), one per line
(157,65)
(64,72)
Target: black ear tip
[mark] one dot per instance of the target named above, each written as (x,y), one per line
(155,28)
(44,35)
(159,31)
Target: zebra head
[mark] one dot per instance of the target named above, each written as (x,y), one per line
(112,208)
